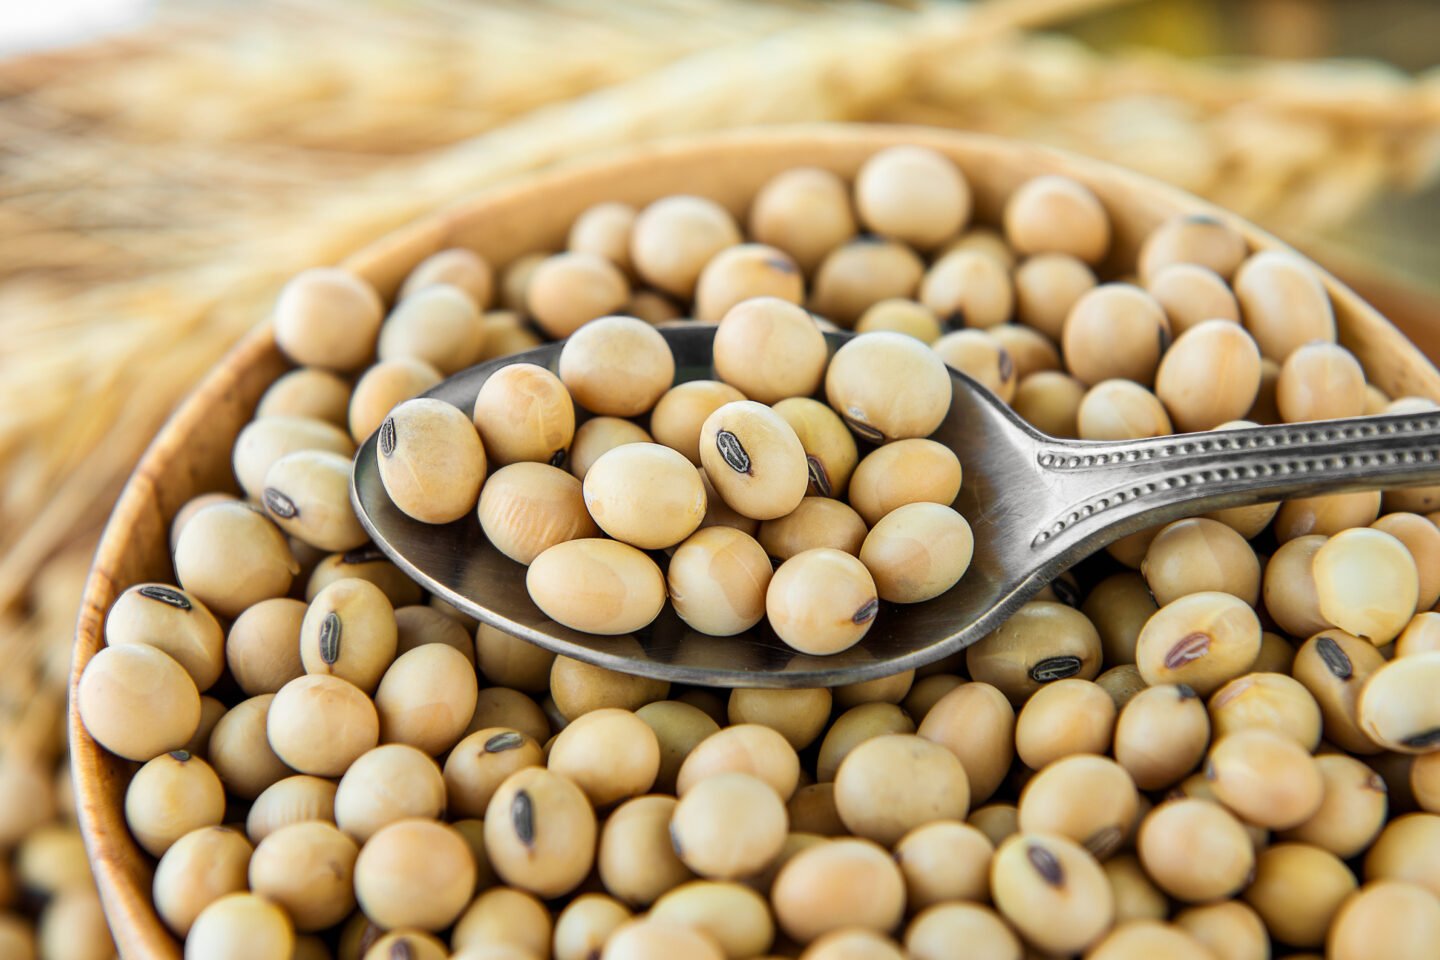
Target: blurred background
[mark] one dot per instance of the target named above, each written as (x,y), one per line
(165,165)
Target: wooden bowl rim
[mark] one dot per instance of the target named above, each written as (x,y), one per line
(134,922)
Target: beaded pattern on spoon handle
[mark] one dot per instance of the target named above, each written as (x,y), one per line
(1349,451)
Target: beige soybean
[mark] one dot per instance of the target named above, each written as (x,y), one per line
(899,315)
(1064,718)
(1230,929)
(327,317)
(414,944)
(508,661)
(838,884)
(431,461)
(1276,654)
(478,764)
(240,751)
(1272,701)
(568,290)
(744,272)
(928,691)
(320,724)
(980,356)
(679,728)
(1115,331)
(1161,735)
(720,514)
(913,194)
(458,267)
(645,494)
(506,333)
(604,230)
(198,869)
(1326,515)
(617,366)
(307,869)
(735,916)
(1196,555)
(524,412)
(906,471)
(816,522)
(886,689)
(349,631)
(1397,708)
(636,860)
(291,800)
(502,916)
(861,273)
(891,784)
(610,754)
(1029,349)
(1191,295)
(515,280)
(1052,891)
(241,926)
(231,557)
(1320,381)
(1335,667)
(366,563)
(966,288)
(1046,288)
(1209,376)
(798,715)
(526,508)
(1119,606)
(1089,799)
(830,451)
(1136,896)
(307,494)
(853,945)
(1297,891)
(888,386)
(1283,303)
(770,349)
(986,240)
(1054,214)
(854,727)
(190,508)
(580,687)
(1196,238)
(1195,850)
(173,622)
(1265,777)
(307,392)
(1141,939)
(745,748)
(1352,812)
(262,442)
(821,601)
(263,648)
(584,925)
(170,796)
(1367,583)
(1121,410)
(1421,634)
(681,412)
(1122,683)
(1290,592)
(804,211)
(384,387)
(1264,410)
(1041,643)
(935,932)
(438,324)
(389,783)
(597,586)
(975,722)
(674,237)
(1202,639)
(917,552)
(1050,402)
(944,860)
(137,701)
(1421,537)
(645,939)
(1397,920)
(729,825)
(540,832)
(1406,850)
(598,436)
(415,873)
(754,460)
(417,626)
(812,811)
(717,580)
(51,860)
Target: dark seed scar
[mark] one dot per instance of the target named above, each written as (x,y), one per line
(867,611)
(734,452)
(522,818)
(818,476)
(1190,648)
(1045,864)
(165,595)
(1336,660)
(387,437)
(330,638)
(279,504)
(504,741)
(1055,668)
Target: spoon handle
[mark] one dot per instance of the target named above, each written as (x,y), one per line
(1111,489)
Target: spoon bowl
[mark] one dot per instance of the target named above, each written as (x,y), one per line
(1036,505)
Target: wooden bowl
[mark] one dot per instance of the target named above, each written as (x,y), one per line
(192,454)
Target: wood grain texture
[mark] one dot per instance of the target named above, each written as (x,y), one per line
(192,454)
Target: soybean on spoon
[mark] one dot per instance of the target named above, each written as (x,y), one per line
(1037,505)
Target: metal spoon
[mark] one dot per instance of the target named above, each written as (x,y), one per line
(1037,505)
